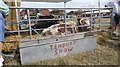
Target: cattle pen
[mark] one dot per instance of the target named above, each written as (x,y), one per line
(52,46)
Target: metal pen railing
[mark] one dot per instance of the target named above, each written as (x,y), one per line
(29,20)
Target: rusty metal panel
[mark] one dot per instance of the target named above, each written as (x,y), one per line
(52,50)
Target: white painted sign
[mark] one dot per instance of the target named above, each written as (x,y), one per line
(35,53)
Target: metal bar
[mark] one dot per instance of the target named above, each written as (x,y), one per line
(112,20)
(36,16)
(55,8)
(91,21)
(65,18)
(45,19)
(23,30)
(17,17)
(41,19)
(29,23)
(99,12)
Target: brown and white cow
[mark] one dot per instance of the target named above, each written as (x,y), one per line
(58,29)
(86,24)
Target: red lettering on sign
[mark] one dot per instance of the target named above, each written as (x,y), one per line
(70,49)
(59,45)
(55,46)
(63,47)
(51,47)
(74,43)
(60,51)
(71,43)
(56,53)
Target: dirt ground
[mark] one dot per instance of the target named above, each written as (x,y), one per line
(106,53)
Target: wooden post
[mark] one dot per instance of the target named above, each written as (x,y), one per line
(12,16)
